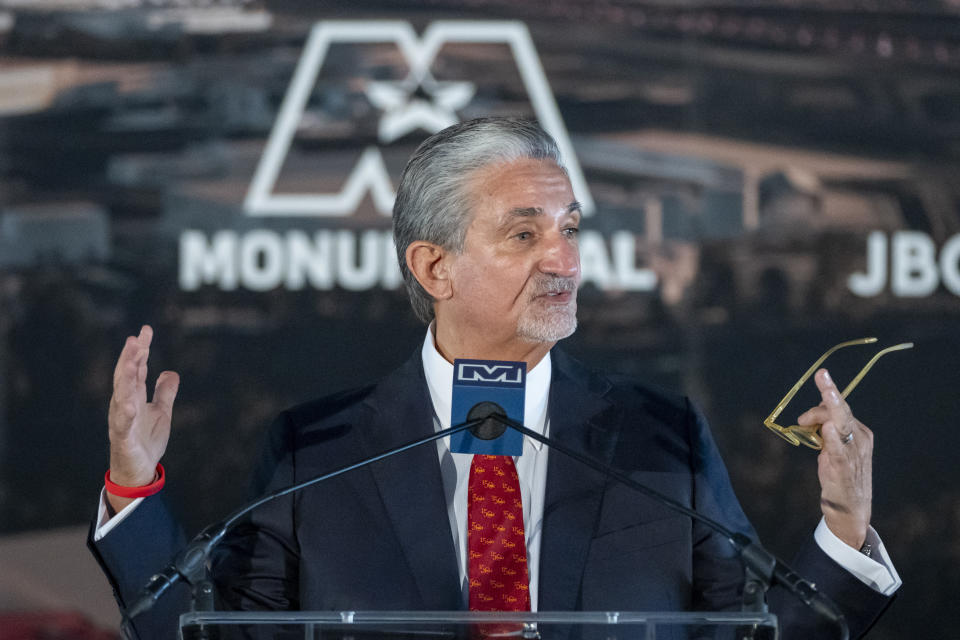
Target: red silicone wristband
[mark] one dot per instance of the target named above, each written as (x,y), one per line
(136,492)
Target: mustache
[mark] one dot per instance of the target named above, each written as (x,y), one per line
(553,284)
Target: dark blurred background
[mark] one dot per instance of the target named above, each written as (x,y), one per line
(768,178)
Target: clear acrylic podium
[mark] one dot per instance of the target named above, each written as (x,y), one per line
(465,625)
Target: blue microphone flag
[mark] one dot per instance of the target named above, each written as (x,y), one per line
(500,381)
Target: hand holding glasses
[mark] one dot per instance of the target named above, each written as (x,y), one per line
(810,435)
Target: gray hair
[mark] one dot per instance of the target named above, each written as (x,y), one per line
(433,203)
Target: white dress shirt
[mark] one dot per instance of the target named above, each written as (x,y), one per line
(876,571)
(455,467)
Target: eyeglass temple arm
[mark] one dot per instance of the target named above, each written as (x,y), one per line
(806,376)
(856,380)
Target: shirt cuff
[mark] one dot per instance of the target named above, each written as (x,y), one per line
(875,571)
(105,523)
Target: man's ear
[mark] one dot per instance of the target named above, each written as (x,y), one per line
(428,264)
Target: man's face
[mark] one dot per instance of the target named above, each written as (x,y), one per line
(516,279)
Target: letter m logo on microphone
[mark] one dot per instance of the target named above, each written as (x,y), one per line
(498,381)
(483,373)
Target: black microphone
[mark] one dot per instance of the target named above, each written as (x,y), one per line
(757,560)
(489,427)
(190,564)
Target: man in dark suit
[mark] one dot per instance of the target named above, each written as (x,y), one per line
(486,229)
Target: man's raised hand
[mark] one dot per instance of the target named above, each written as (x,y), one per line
(139,430)
(844,464)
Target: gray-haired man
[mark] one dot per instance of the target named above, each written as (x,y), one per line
(486,226)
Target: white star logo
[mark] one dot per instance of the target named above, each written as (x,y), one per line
(414,104)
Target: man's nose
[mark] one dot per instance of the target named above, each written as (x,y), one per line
(561,257)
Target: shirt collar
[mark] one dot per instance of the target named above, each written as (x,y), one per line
(439,374)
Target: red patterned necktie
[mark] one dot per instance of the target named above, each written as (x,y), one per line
(497,565)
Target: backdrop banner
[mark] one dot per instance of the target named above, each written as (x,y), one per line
(760,181)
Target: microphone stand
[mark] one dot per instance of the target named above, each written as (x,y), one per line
(762,568)
(190,565)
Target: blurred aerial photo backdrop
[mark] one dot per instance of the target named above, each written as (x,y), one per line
(763,179)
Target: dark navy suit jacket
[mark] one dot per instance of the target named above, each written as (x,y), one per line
(379,538)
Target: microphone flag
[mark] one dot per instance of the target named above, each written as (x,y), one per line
(500,381)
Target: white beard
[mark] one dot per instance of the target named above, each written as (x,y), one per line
(549,324)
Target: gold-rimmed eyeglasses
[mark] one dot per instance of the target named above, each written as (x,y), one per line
(810,435)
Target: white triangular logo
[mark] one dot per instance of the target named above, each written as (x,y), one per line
(401,115)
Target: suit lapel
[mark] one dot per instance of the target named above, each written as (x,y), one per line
(581,418)
(411,487)
(410,484)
